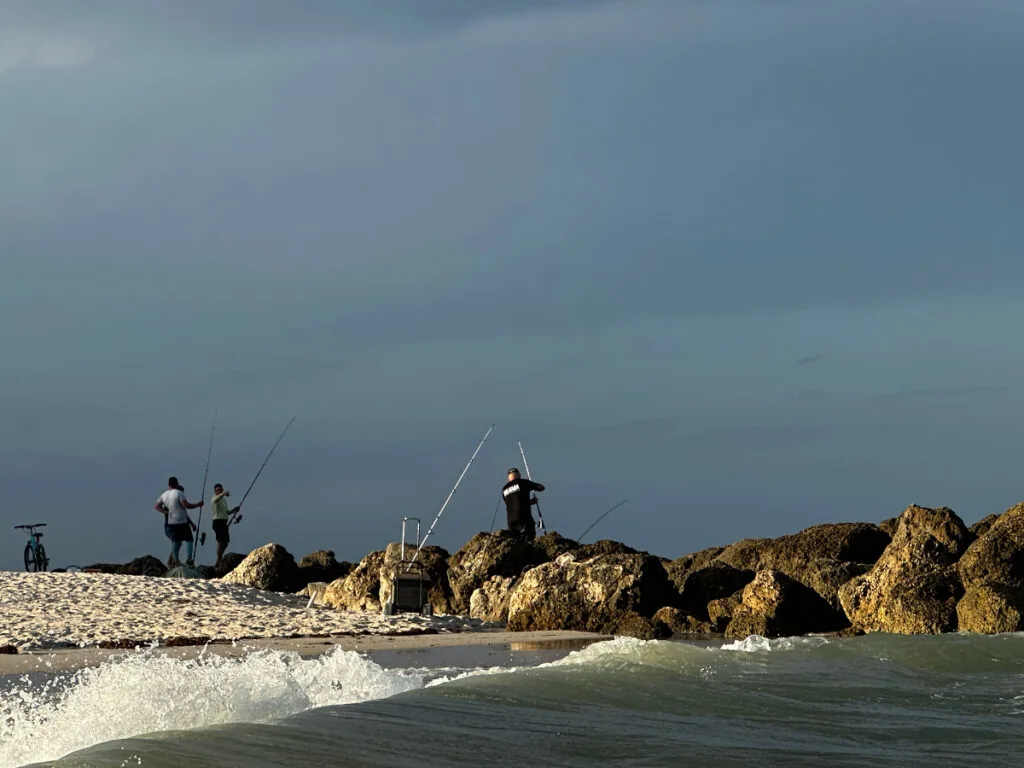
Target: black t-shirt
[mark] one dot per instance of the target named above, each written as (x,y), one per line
(517,499)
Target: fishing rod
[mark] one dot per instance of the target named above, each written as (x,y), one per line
(494,517)
(602,517)
(235,516)
(526,466)
(454,489)
(206,474)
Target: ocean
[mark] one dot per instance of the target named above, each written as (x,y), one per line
(877,700)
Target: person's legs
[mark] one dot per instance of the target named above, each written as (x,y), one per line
(530,530)
(175,551)
(189,545)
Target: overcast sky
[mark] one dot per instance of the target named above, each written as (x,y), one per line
(751,265)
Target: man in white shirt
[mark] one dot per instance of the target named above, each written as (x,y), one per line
(175,506)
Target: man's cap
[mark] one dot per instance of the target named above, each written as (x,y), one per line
(512,470)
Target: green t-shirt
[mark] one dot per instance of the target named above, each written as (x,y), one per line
(220,508)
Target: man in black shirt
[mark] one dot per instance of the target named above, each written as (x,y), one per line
(516,493)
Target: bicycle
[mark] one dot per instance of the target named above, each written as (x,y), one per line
(35,554)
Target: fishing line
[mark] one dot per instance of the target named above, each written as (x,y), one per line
(236,514)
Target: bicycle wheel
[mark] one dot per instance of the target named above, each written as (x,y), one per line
(30,558)
(42,561)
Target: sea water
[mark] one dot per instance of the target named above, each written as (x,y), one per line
(878,700)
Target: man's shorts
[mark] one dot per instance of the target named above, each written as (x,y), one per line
(181,532)
(220,530)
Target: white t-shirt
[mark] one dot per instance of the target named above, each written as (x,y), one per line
(174,501)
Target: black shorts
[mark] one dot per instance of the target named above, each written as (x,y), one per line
(220,530)
(181,532)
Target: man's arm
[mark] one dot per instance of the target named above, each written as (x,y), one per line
(535,486)
(159,507)
(193,505)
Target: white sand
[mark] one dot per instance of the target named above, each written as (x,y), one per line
(59,610)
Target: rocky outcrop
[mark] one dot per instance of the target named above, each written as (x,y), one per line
(589,595)
(889,525)
(147,565)
(632,624)
(720,612)
(981,527)
(997,556)
(681,622)
(992,571)
(271,567)
(321,566)
(991,609)
(604,547)
(432,563)
(681,566)
(914,587)
(822,557)
(489,602)
(360,590)
(712,582)
(486,555)
(776,605)
(554,544)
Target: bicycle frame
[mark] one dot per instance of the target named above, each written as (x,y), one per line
(35,547)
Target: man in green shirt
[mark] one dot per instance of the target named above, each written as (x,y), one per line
(221,514)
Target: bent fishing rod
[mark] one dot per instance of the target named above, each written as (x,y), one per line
(602,517)
(536,503)
(206,474)
(450,495)
(235,516)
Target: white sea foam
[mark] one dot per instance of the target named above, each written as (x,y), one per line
(758,644)
(142,693)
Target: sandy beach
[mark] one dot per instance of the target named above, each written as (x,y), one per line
(70,620)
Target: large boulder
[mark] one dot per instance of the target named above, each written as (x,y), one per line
(229,562)
(489,602)
(271,567)
(981,527)
(913,588)
(681,566)
(992,571)
(485,555)
(589,595)
(776,605)
(991,609)
(360,590)
(712,582)
(631,624)
(681,622)
(321,566)
(147,565)
(554,544)
(818,556)
(997,556)
(431,562)
(720,612)
(604,547)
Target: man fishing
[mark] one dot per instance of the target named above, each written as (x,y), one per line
(518,500)
(175,506)
(221,514)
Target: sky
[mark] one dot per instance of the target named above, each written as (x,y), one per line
(751,266)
